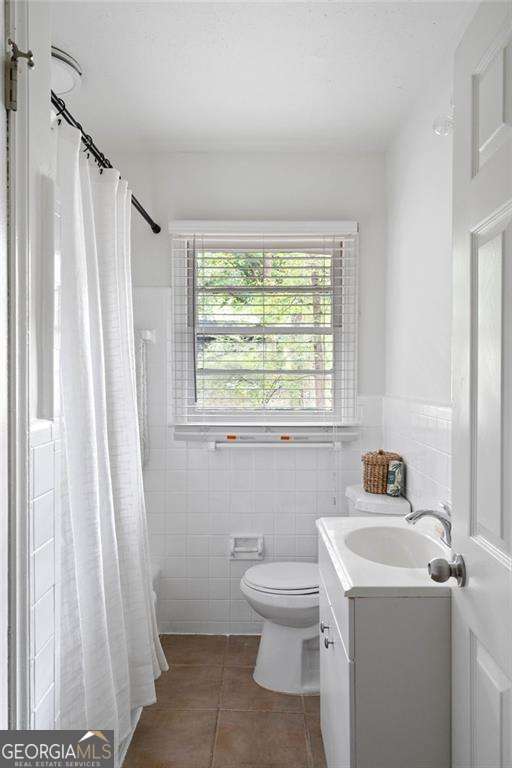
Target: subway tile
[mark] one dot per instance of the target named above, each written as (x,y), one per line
(284,524)
(218,589)
(44,671)
(198,523)
(157,524)
(218,568)
(241,480)
(285,479)
(305,481)
(242,460)
(198,567)
(43,514)
(306,501)
(173,589)
(264,460)
(43,614)
(43,570)
(197,480)
(197,502)
(176,503)
(265,502)
(44,713)
(218,610)
(264,479)
(176,481)
(174,567)
(176,458)
(306,459)
(155,480)
(197,588)
(176,545)
(217,545)
(41,431)
(156,502)
(197,459)
(284,545)
(218,480)
(43,479)
(241,503)
(176,523)
(198,545)
(305,525)
(306,546)
(285,458)
(156,459)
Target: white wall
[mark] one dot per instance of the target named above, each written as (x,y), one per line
(417,406)
(269,186)
(419,258)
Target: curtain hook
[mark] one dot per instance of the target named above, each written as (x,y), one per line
(62,107)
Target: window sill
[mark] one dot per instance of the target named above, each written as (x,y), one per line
(258,435)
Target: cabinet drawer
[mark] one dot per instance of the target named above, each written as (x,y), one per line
(342,607)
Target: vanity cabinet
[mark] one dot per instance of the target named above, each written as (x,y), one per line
(384,677)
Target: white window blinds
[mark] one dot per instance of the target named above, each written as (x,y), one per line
(264,327)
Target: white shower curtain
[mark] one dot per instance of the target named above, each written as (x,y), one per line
(110,653)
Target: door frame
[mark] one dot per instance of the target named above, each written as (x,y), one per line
(17,250)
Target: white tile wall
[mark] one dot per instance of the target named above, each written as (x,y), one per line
(196,498)
(421,432)
(45,461)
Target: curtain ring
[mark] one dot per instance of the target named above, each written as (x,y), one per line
(62,105)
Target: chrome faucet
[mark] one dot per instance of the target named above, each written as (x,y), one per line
(443,517)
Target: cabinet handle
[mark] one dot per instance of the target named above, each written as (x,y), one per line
(323,627)
(328,642)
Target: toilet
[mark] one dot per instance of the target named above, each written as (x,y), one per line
(285,595)
(361,503)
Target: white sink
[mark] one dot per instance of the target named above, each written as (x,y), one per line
(397,547)
(383,555)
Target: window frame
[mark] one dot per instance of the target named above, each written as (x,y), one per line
(183,414)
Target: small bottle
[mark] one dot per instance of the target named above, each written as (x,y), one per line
(396,477)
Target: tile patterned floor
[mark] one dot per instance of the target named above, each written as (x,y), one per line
(211,714)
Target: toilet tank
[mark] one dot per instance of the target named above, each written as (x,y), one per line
(362,503)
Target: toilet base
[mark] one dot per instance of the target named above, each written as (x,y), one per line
(288,659)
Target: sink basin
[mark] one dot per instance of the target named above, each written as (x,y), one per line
(398,547)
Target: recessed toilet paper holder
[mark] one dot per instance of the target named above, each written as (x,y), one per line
(246,546)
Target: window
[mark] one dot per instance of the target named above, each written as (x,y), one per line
(264,325)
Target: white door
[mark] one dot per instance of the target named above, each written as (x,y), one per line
(482,391)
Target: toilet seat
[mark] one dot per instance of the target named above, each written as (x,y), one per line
(293,579)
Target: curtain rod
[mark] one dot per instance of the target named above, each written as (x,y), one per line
(103,162)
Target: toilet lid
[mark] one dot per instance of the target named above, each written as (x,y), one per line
(283,577)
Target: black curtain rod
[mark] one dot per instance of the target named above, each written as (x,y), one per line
(103,162)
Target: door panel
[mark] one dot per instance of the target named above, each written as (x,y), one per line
(482,392)
(490,703)
(492,105)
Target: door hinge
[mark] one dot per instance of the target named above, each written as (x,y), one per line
(11,74)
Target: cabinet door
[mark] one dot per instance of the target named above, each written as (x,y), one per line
(326,681)
(336,691)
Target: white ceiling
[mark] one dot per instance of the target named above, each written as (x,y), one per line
(162,76)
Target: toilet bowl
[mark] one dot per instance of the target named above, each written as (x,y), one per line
(285,595)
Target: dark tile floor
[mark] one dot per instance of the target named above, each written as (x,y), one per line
(211,714)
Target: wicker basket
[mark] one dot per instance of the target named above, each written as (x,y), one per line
(375,475)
